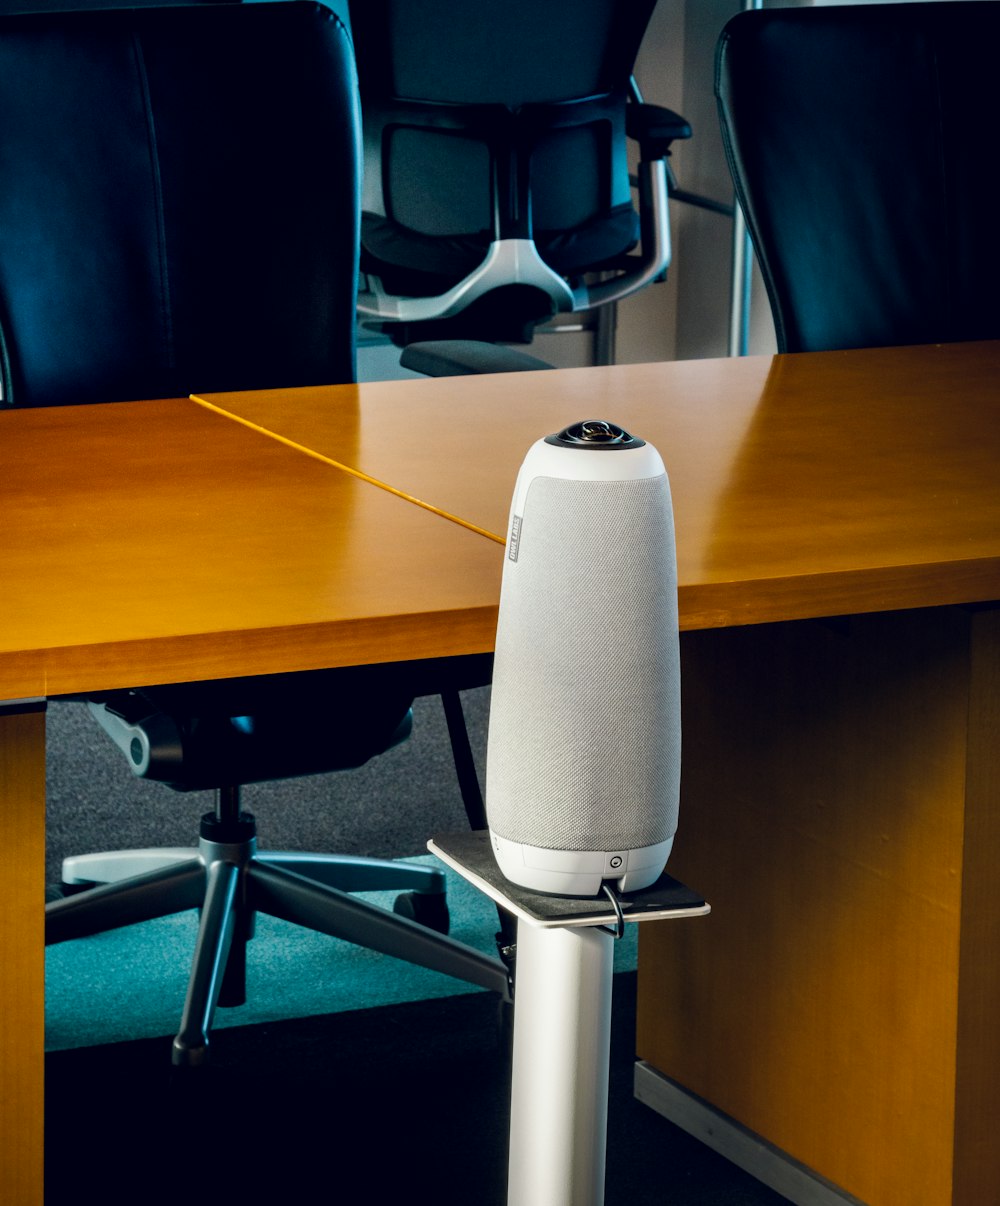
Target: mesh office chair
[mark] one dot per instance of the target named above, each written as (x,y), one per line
(496,183)
(179,212)
(860,141)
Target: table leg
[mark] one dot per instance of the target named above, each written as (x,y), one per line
(22,951)
(559,1092)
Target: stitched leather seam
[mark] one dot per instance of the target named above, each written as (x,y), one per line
(156,183)
(941,183)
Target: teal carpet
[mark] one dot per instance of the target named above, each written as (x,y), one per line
(130,983)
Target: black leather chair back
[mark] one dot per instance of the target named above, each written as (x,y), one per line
(862,143)
(179,196)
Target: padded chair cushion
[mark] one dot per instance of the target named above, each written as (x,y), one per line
(419,265)
(862,142)
(278,726)
(239,731)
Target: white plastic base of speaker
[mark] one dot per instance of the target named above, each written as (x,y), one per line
(579,872)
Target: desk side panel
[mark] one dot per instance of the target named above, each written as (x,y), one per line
(823,814)
(977,1108)
(22,952)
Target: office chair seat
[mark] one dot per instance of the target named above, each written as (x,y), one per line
(196,736)
(420,265)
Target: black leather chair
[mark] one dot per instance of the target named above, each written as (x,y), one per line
(179,213)
(861,142)
(496,183)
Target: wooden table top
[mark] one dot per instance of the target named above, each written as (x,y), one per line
(804,485)
(159,542)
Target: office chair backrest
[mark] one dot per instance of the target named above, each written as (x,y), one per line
(178,201)
(417,54)
(494,121)
(862,144)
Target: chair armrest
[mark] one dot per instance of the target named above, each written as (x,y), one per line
(465,358)
(654,128)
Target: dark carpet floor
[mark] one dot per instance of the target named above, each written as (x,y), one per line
(401,1104)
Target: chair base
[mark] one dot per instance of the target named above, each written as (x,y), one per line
(229,881)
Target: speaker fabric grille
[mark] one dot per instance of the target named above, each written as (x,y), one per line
(584,738)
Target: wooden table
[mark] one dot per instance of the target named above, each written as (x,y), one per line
(837,516)
(158,542)
(838,520)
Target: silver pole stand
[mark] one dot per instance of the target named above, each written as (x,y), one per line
(562,1022)
(559,1082)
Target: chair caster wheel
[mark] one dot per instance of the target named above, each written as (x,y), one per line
(425,909)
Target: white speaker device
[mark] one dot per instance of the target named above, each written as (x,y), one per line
(584,750)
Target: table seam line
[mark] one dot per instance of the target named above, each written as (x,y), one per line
(335,464)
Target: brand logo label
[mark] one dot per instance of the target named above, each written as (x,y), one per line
(515,537)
